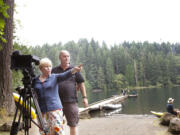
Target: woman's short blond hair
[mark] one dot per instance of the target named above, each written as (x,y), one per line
(45,62)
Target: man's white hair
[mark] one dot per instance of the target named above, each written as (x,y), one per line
(63,51)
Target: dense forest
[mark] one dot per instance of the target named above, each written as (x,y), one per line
(128,64)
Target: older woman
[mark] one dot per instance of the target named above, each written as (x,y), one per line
(46,87)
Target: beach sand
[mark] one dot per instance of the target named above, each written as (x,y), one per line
(119,124)
(122,125)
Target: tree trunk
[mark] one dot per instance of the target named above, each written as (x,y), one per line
(136,73)
(6,98)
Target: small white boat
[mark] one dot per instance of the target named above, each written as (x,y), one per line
(132,95)
(116,111)
(111,106)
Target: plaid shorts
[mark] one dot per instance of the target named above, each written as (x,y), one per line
(54,120)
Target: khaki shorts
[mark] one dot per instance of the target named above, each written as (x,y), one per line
(71,111)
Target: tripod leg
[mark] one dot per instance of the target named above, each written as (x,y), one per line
(23,108)
(27,117)
(39,114)
(14,128)
(16,125)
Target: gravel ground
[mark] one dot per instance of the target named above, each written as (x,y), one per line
(118,125)
(122,125)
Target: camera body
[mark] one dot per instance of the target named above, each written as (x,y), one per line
(25,64)
(21,62)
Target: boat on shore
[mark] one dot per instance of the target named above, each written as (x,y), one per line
(101,105)
(97,90)
(106,107)
(111,106)
(133,95)
(158,114)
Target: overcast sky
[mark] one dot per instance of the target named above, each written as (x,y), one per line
(112,21)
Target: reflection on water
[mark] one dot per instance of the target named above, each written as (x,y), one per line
(147,100)
(151,99)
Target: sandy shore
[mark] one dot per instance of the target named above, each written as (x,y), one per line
(122,125)
(118,125)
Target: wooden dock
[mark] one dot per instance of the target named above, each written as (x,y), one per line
(112,100)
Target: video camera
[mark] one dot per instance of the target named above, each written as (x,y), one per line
(25,64)
(19,61)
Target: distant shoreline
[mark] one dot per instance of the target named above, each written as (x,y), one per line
(140,88)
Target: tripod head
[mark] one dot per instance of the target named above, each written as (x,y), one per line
(25,63)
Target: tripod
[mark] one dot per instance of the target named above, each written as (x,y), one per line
(24,108)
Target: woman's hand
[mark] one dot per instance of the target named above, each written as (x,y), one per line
(76,69)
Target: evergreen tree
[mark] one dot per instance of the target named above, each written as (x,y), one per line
(129,74)
(109,73)
(100,78)
(120,81)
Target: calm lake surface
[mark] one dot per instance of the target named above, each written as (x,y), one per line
(148,99)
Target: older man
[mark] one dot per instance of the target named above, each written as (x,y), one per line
(67,91)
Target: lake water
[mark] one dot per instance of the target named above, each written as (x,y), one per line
(148,99)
